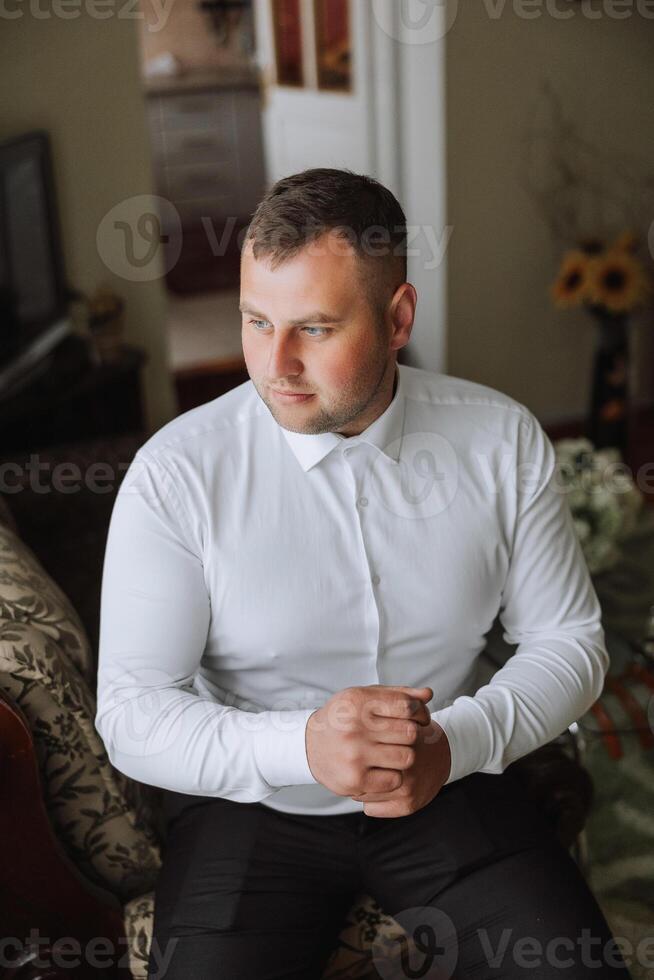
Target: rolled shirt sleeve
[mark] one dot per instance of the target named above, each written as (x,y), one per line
(549,608)
(154,620)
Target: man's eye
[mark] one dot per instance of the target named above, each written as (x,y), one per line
(321,330)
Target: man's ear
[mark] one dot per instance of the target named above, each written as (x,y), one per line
(402,315)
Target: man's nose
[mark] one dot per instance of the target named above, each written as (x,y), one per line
(283,358)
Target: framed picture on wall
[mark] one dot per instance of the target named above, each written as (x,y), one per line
(288,42)
(333,44)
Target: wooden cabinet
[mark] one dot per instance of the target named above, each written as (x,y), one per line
(71,399)
(208,152)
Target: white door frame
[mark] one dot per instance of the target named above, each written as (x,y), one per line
(407,86)
(423,180)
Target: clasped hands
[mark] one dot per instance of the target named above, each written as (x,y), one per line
(379,745)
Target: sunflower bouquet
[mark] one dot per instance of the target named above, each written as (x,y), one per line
(612,283)
(604,500)
(610,280)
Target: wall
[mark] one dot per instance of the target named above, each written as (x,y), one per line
(503,330)
(78,79)
(184,30)
(423,187)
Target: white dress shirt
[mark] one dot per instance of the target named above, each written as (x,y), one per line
(251,572)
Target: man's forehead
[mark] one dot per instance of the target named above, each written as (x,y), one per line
(342,289)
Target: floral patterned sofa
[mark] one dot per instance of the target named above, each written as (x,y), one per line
(109,826)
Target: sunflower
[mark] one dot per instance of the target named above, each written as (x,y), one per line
(571,284)
(617,281)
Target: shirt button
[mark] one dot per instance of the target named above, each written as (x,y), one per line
(375,579)
(346,452)
(363,501)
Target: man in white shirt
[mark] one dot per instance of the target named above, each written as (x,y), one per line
(298,581)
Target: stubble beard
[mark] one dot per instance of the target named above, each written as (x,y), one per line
(355,400)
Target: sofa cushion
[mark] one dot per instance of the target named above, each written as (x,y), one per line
(29,595)
(107,823)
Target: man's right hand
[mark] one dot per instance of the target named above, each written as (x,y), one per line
(361,740)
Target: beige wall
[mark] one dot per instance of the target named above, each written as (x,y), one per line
(181,28)
(78,79)
(502,329)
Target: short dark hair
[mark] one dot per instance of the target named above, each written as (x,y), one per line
(303,207)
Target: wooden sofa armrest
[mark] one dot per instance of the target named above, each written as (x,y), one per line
(56,924)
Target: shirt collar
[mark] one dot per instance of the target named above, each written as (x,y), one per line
(384,433)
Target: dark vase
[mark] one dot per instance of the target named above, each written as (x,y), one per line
(608,422)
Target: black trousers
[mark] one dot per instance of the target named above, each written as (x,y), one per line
(476,878)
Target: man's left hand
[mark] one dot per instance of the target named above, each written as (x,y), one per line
(421,782)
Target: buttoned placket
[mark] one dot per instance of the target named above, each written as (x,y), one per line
(356,458)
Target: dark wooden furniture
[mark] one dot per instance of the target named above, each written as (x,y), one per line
(71,397)
(44,901)
(208,159)
(204,382)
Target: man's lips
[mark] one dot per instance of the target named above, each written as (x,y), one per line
(292,396)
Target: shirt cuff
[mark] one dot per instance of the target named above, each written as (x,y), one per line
(468,734)
(280,748)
